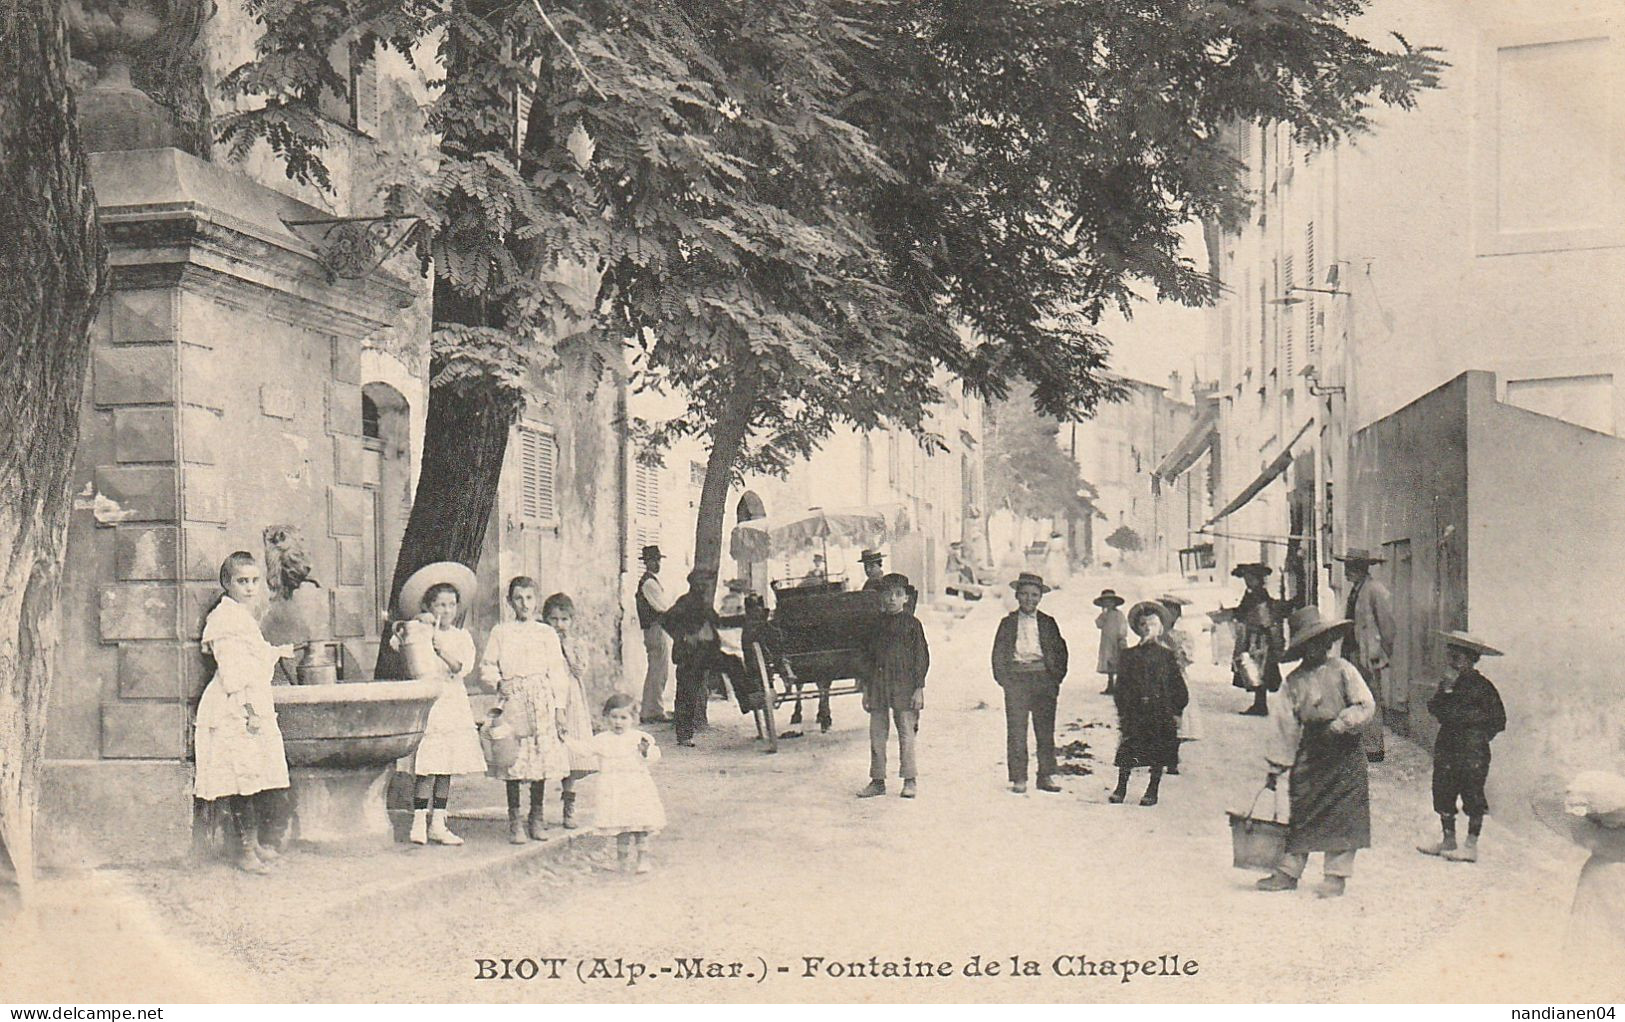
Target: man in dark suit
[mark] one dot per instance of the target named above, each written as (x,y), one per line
(1029,663)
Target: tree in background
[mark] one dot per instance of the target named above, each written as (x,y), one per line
(54,262)
(800,207)
(1027,468)
(1125,540)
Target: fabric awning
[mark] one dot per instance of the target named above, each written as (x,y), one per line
(1191,447)
(1271,472)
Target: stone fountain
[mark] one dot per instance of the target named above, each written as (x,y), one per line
(342,738)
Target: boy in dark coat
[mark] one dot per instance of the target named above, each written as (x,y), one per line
(1470,713)
(892,680)
(1029,663)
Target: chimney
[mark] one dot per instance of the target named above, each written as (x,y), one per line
(1174,382)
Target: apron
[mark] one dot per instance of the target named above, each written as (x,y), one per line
(1331,798)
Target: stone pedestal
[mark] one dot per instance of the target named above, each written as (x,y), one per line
(341,808)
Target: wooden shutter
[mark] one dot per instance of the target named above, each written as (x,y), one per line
(538,462)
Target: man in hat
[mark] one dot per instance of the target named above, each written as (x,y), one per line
(874,570)
(1113,637)
(1470,713)
(1258,639)
(696,649)
(1315,733)
(652,603)
(1370,645)
(958,569)
(1029,663)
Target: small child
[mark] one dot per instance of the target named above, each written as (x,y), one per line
(1150,695)
(240,758)
(1470,713)
(559,612)
(450,743)
(627,803)
(895,660)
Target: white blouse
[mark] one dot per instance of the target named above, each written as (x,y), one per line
(520,649)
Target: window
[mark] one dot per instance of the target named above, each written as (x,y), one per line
(1313,280)
(1289,317)
(538,461)
(372,428)
(646,491)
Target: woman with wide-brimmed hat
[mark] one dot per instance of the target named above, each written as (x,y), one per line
(1316,721)
(1150,696)
(1113,636)
(1255,664)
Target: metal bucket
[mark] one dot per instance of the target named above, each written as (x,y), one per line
(497,739)
(415,640)
(1256,843)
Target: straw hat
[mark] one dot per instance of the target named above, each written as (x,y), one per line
(459,576)
(871,555)
(1027,578)
(1251,568)
(1306,624)
(1145,607)
(1462,640)
(1358,555)
(1109,598)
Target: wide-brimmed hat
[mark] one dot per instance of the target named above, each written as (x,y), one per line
(1028,578)
(870,555)
(458,576)
(1251,568)
(651,553)
(1109,598)
(1358,555)
(1306,623)
(1145,607)
(1462,640)
(1173,600)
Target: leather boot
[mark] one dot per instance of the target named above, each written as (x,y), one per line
(439,833)
(516,827)
(1446,843)
(1330,887)
(271,836)
(1468,852)
(1278,881)
(570,811)
(535,825)
(247,826)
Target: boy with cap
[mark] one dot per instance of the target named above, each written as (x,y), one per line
(895,660)
(1029,663)
(1470,714)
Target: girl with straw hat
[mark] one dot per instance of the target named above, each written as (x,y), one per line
(450,743)
(1315,733)
(1150,696)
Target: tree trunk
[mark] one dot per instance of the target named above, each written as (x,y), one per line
(54,265)
(727,440)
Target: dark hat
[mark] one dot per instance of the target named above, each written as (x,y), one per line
(895,580)
(1305,624)
(1461,640)
(1109,598)
(1027,578)
(1251,568)
(651,553)
(1356,555)
(871,555)
(1145,607)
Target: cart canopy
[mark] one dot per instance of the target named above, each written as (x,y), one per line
(815,528)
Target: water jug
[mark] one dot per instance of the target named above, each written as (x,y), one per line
(415,640)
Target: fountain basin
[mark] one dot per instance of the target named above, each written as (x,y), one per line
(341,741)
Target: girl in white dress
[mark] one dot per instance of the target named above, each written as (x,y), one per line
(450,743)
(558,613)
(238,745)
(627,803)
(524,663)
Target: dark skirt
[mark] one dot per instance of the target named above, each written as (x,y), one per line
(1331,797)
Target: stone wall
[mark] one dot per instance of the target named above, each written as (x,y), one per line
(225,396)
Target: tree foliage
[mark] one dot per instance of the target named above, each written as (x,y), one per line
(1026,465)
(805,210)
(1125,540)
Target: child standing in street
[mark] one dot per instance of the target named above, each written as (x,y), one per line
(1470,713)
(1150,696)
(628,805)
(558,613)
(895,660)
(239,748)
(1113,637)
(450,743)
(524,662)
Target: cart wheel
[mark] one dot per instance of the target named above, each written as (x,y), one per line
(769,701)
